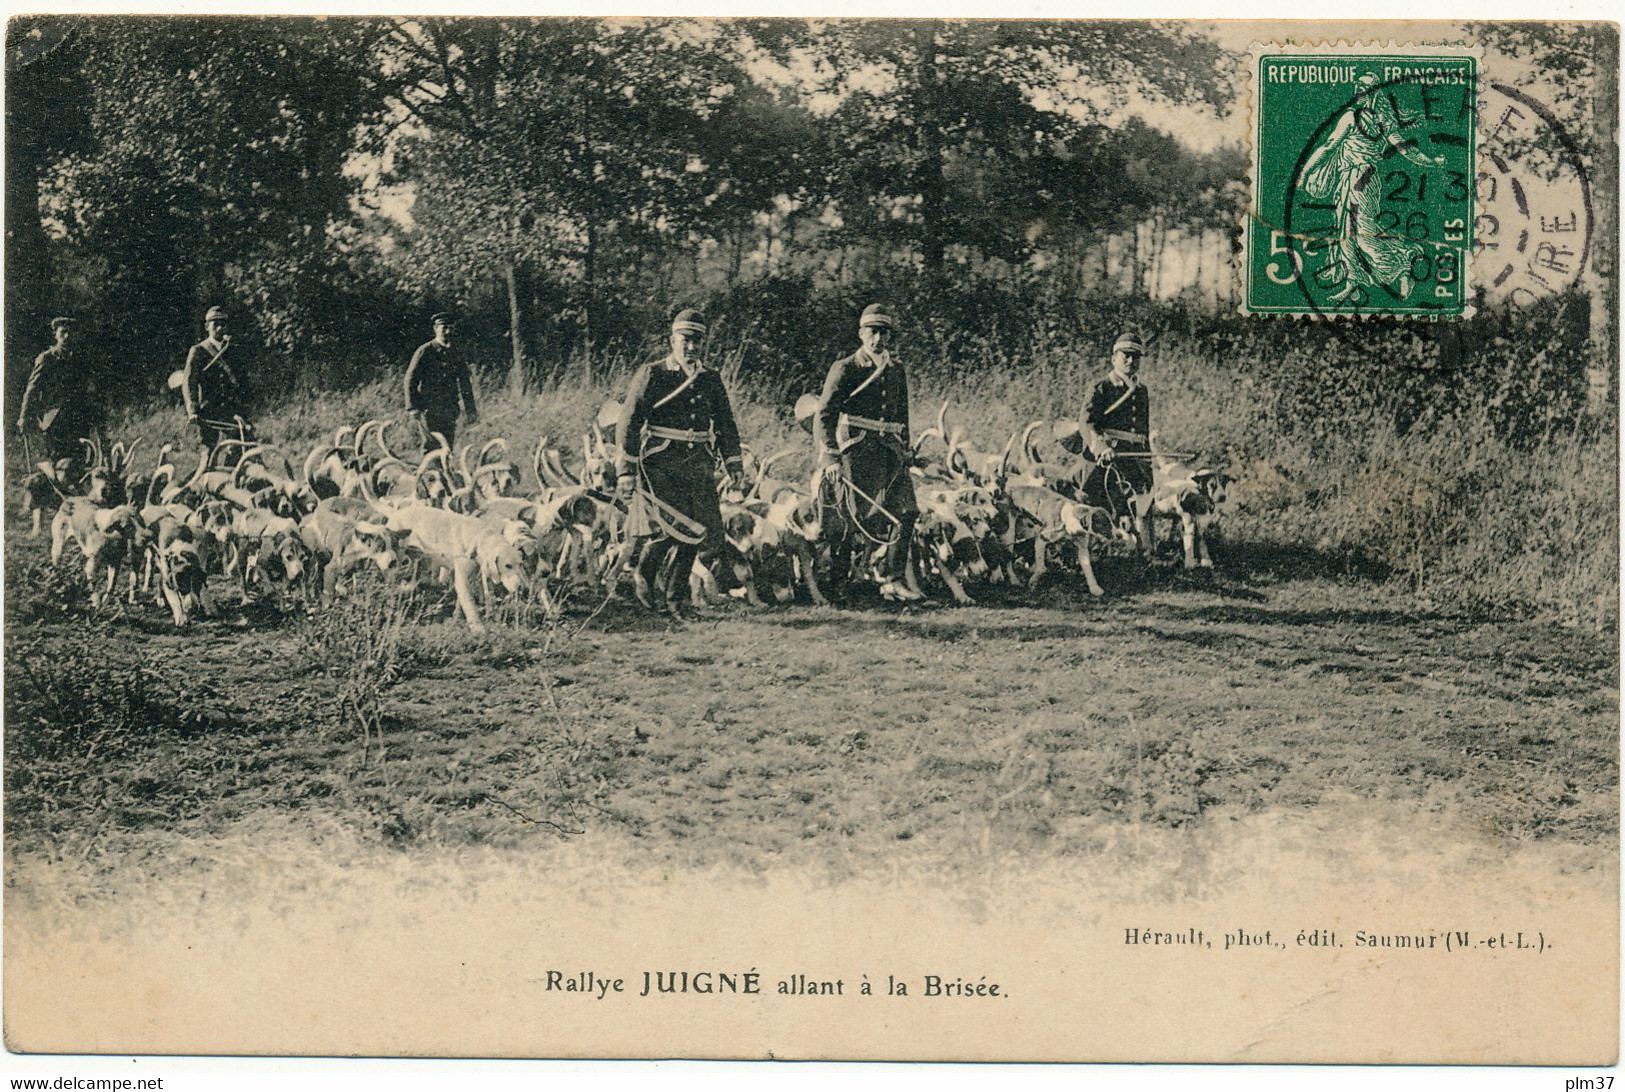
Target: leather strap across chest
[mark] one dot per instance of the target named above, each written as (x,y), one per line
(1111,409)
(687,382)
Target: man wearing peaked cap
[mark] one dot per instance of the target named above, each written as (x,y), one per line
(875,315)
(676,424)
(862,431)
(60,405)
(688,321)
(439,385)
(1117,430)
(214,384)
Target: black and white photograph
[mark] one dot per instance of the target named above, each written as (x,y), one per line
(821,538)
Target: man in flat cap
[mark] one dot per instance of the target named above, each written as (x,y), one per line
(60,406)
(214,385)
(676,423)
(1117,433)
(862,429)
(439,385)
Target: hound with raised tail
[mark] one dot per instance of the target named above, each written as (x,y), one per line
(106,536)
(1196,497)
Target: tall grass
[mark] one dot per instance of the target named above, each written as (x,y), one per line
(359,642)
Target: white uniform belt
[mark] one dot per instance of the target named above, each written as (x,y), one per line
(869,424)
(1119,434)
(679,435)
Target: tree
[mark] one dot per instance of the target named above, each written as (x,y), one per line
(45,120)
(540,151)
(949,132)
(1577,66)
(213,168)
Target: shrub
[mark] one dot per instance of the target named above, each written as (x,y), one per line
(79,721)
(360,642)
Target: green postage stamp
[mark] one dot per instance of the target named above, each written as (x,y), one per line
(1363,181)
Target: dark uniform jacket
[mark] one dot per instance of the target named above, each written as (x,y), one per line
(852,388)
(1126,424)
(1107,411)
(56,400)
(214,386)
(437,380)
(876,493)
(661,396)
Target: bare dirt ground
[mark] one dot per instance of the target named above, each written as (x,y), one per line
(1035,726)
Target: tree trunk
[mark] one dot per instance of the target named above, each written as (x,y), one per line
(1200,239)
(519,377)
(1148,274)
(1141,259)
(588,275)
(517,383)
(738,256)
(933,196)
(1159,253)
(1602,377)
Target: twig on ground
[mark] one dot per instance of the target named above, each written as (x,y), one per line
(538,822)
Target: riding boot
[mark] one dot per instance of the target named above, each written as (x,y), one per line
(646,572)
(840,567)
(897,555)
(678,595)
(897,551)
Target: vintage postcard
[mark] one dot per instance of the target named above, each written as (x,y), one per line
(764,538)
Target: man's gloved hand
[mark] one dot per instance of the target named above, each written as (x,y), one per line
(735,473)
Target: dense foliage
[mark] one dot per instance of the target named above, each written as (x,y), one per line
(565,181)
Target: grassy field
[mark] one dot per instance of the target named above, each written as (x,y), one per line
(1037,728)
(1314,668)
(370,830)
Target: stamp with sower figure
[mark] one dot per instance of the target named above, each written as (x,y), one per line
(1363,182)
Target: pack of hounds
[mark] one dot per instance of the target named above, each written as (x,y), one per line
(244,515)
